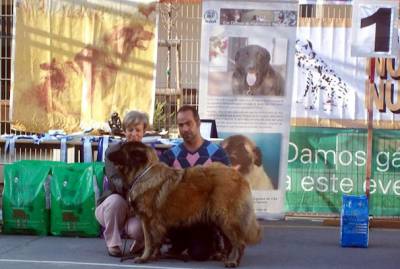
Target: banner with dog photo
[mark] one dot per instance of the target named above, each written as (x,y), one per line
(246,61)
(330,85)
(75,62)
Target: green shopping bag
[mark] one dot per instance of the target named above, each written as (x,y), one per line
(26,198)
(75,188)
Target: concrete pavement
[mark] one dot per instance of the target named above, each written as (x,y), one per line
(286,244)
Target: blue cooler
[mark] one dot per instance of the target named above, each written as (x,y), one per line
(354,230)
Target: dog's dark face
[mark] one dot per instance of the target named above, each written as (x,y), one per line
(253,59)
(130,159)
(242,152)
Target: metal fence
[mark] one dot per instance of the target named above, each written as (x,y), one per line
(177,77)
(6,19)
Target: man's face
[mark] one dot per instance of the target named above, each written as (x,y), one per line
(189,129)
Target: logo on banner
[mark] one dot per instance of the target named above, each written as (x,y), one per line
(211,16)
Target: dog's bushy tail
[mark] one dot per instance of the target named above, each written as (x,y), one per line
(254,231)
(254,235)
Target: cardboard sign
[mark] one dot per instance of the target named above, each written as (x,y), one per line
(374,29)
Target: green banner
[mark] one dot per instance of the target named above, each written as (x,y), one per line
(324,164)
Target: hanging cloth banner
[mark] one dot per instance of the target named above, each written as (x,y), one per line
(75,62)
(247,54)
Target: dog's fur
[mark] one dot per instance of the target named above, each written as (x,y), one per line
(246,157)
(165,197)
(254,60)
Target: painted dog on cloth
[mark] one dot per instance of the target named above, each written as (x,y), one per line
(164,197)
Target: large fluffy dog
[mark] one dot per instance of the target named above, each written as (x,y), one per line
(164,197)
(246,157)
(253,73)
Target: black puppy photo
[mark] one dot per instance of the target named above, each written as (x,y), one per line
(253,73)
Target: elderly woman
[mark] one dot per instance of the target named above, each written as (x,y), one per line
(112,211)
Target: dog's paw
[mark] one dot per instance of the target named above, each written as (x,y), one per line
(140,260)
(230,264)
(218,256)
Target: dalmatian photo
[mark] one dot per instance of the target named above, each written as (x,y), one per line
(322,82)
(254,75)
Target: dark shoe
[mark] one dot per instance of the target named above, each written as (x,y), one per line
(114,251)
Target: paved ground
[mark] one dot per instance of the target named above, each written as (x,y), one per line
(286,244)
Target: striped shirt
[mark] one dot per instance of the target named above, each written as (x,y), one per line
(180,157)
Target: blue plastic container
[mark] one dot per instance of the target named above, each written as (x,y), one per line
(354,221)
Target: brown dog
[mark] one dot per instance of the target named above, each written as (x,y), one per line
(253,73)
(246,157)
(164,197)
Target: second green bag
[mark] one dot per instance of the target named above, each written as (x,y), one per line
(74,190)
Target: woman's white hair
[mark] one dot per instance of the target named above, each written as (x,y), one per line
(134,117)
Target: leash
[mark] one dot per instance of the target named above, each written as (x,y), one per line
(142,174)
(135,181)
(138,177)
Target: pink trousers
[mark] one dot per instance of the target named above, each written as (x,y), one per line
(113,215)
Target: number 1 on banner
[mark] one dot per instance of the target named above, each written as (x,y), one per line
(374,28)
(381,18)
